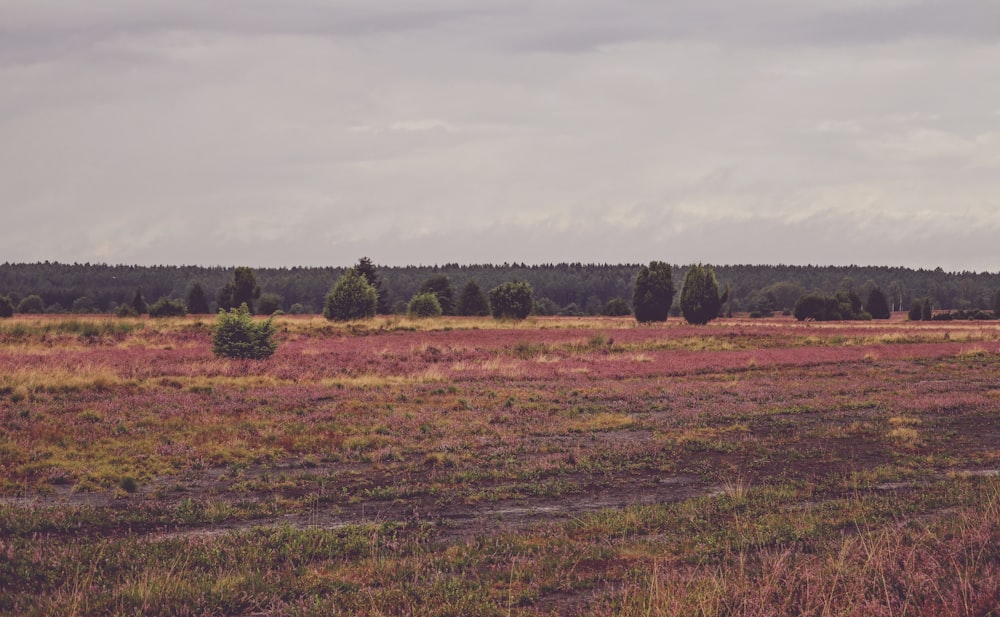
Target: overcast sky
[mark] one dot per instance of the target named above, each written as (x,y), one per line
(309,132)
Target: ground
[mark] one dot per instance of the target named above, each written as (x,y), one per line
(469,466)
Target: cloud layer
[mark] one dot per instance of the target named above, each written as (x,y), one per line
(423,131)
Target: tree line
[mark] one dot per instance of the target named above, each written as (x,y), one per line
(566,288)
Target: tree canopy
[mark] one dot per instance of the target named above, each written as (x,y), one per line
(654,292)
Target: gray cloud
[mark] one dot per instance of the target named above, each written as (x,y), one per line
(304,133)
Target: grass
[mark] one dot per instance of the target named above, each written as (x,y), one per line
(468,466)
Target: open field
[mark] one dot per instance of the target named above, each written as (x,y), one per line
(471,467)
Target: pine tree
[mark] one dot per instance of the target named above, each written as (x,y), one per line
(139,303)
(367,269)
(197,303)
(472,301)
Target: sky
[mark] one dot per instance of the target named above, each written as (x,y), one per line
(309,132)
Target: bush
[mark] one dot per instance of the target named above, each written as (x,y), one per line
(424,305)
(511,300)
(617,307)
(165,307)
(653,293)
(351,297)
(915,311)
(126,310)
(31,304)
(6,307)
(237,335)
(269,303)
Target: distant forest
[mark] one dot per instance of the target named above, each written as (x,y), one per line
(566,288)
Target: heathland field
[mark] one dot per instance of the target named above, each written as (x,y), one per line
(464,466)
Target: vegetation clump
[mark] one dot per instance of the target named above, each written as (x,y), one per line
(351,297)
(653,293)
(6,307)
(512,300)
(472,301)
(424,305)
(165,307)
(440,286)
(700,299)
(237,335)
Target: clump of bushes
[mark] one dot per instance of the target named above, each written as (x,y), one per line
(424,305)
(351,297)
(511,300)
(165,307)
(237,335)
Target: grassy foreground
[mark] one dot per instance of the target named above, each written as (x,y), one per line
(558,466)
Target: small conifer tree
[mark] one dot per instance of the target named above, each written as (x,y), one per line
(237,335)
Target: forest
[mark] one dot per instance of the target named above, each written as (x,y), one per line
(565,288)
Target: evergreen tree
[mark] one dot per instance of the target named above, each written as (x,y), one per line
(700,300)
(351,297)
(139,303)
(197,303)
(472,301)
(237,335)
(225,297)
(511,300)
(996,305)
(653,293)
(367,269)
(916,311)
(440,286)
(245,288)
(927,310)
(878,304)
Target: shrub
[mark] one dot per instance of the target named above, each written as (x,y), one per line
(269,303)
(472,301)
(237,335)
(6,307)
(812,306)
(351,297)
(915,311)
(126,310)
(511,300)
(31,304)
(617,307)
(424,305)
(653,293)
(165,307)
